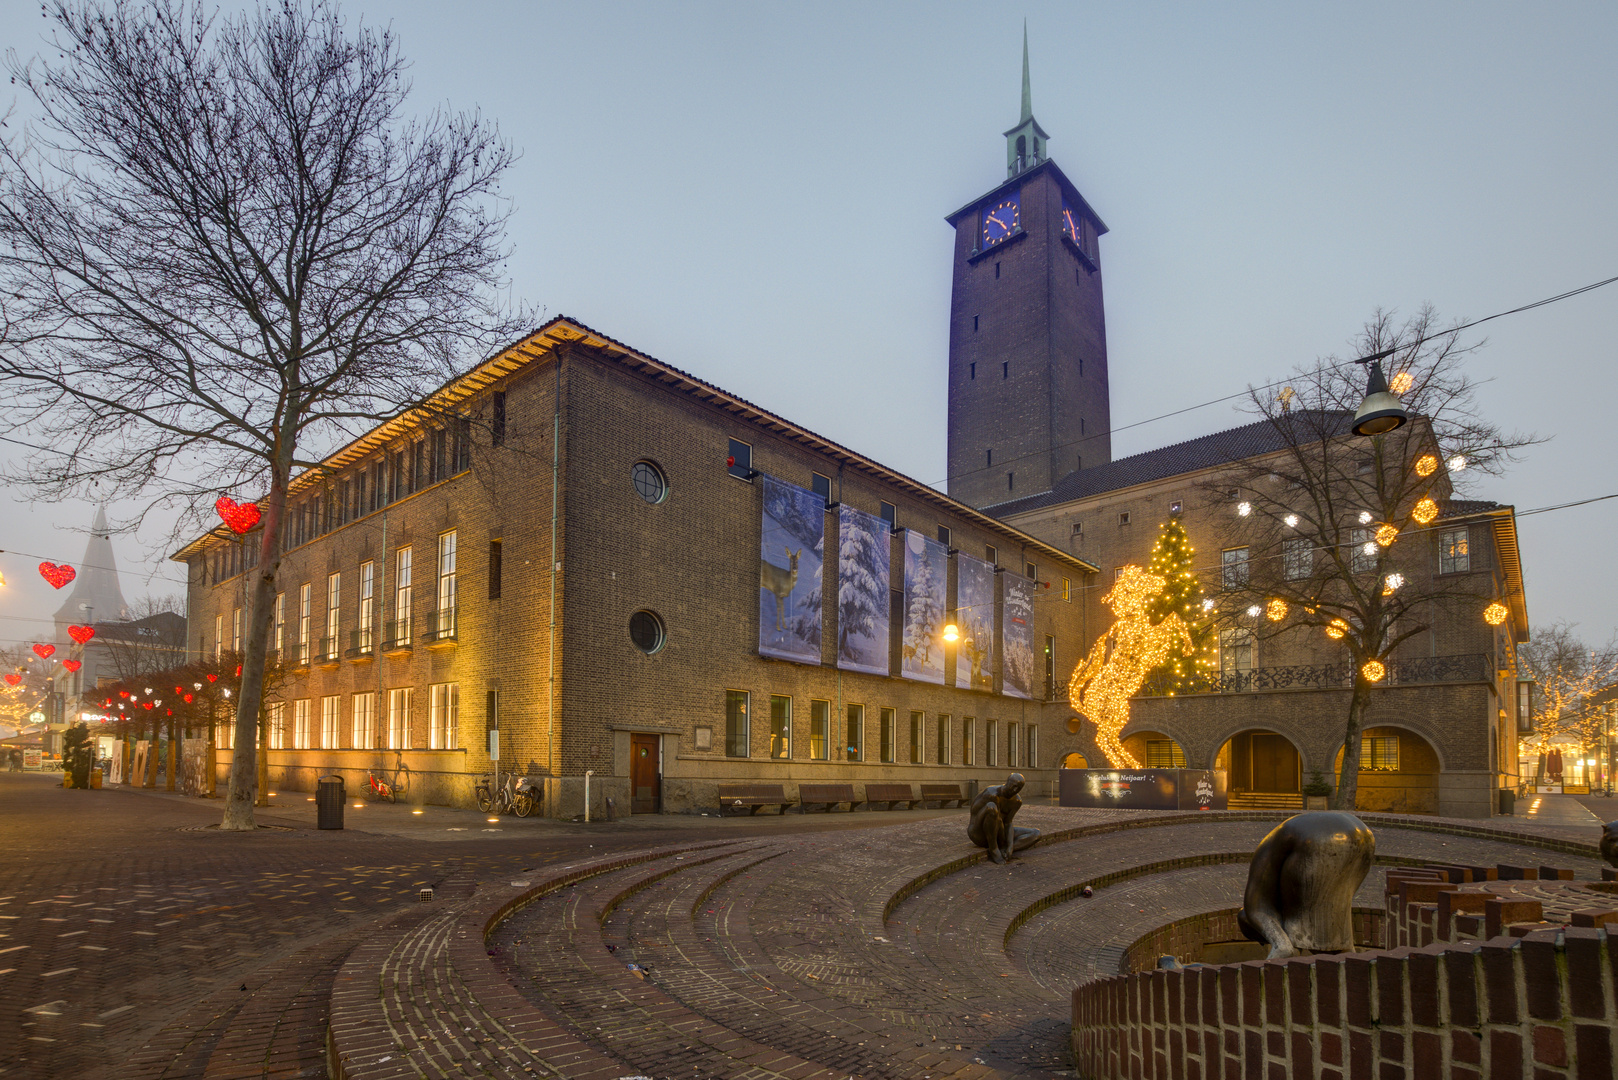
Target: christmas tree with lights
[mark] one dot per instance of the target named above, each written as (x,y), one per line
(1173,561)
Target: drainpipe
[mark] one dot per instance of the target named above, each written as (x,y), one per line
(587,774)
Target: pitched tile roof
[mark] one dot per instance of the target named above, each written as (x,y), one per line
(1210,451)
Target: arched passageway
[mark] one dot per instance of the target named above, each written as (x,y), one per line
(1155,750)
(1263,770)
(1075,760)
(1398,772)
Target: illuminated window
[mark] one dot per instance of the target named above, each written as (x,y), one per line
(1379,753)
(305,600)
(280,620)
(363,636)
(278,724)
(1454,553)
(365,720)
(400,700)
(1067,590)
(445,619)
(402,597)
(444,716)
(329,708)
(819,730)
(334,599)
(236,631)
(736,723)
(1164,754)
(300,724)
(780,727)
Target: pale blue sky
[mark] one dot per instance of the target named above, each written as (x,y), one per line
(756,193)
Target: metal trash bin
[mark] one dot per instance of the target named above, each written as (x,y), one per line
(330,795)
(1508,802)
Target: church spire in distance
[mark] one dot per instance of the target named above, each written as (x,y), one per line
(1025,143)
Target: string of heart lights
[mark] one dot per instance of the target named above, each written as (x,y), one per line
(1120,660)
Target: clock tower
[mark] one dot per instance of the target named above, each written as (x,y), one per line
(1028,399)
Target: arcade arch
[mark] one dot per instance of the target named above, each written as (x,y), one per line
(1155,750)
(1398,771)
(1260,763)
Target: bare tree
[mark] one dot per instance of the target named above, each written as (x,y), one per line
(151,640)
(223,249)
(1567,671)
(1331,532)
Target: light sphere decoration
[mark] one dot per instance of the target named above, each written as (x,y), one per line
(1365,517)
(1495,613)
(1369,547)
(1374,671)
(1208,604)
(1275,610)
(1391,583)
(1426,465)
(1387,534)
(1336,629)
(1425,511)
(1253,612)
(1291,520)
(1244,508)
(1457,463)
(1401,382)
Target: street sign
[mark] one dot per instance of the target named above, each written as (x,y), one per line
(494,744)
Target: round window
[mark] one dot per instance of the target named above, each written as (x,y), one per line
(646,631)
(649,482)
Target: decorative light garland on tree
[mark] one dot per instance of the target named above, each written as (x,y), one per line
(1276,610)
(1174,560)
(1495,613)
(1391,583)
(1387,534)
(1426,510)
(1373,671)
(1401,382)
(1291,520)
(1426,465)
(1336,629)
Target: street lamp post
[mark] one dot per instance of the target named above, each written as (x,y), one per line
(1381,411)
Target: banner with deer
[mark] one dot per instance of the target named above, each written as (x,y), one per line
(791,553)
(974,614)
(862,591)
(1017,638)
(926,581)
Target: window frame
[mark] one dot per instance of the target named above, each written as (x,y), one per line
(1297,558)
(1233,640)
(854,731)
(443,716)
(887,734)
(738,723)
(367,607)
(741,453)
(968,757)
(331,721)
(401,701)
(1235,567)
(362,730)
(941,721)
(1374,753)
(1011,744)
(305,614)
(1451,560)
(819,729)
(1031,750)
(403,593)
(1359,562)
(991,748)
(448,578)
(300,724)
(780,727)
(918,736)
(275,718)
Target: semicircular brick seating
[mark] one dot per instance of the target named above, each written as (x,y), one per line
(893,952)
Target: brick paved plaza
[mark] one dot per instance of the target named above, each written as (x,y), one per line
(868,945)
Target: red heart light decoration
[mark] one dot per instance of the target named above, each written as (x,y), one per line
(57,575)
(12,678)
(213,678)
(147,705)
(81,634)
(241,517)
(73,665)
(238,671)
(45,651)
(188,699)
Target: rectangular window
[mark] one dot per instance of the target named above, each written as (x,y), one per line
(1233,568)
(889,513)
(1123,518)
(1033,746)
(1363,551)
(740,460)
(280,622)
(820,730)
(399,480)
(358,487)
(1011,745)
(990,553)
(1031,572)
(444,721)
(225,735)
(1297,558)
(329,709)
(418,464)
(1164,754)
(1235,650)
(497,425)
(365,640)
(334,600)
(885,729)
(1067,590)
(991,740)
(400,698)
(941,738)
(1379,753)
(463,445)
(943,535)
(218,637)
(236,631)
(440,454)
(966,741)
(780,727)
(445,626)
(736,727)
(277,715)
(856,733)
(821,485)
(401,598)
(366,721)
(305,613)
(494,569)
(300,724)
(1454,554)
(916,736)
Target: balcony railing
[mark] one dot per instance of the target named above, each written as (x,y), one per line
(396,635)
(440,626)
(327,652)
(361,642)
(1466,667)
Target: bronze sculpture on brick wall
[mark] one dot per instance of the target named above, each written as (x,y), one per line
(990,823)
(1609,843)
(1301,883)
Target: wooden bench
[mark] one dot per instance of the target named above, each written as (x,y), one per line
(942,793)
(827,795)
(892,794)
(753,796)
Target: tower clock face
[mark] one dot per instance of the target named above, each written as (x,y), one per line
(1072,225)
(999,221)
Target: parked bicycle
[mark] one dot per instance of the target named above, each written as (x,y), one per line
(392,788)
(518,795)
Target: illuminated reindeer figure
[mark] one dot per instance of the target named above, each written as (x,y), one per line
(1121,658)
(977,652)
(780,581)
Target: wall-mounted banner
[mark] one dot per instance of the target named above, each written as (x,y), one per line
(926,583)
(974,614)
(1017,638)
(791,553)
(862,591)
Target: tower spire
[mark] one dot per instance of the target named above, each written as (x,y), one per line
(1027,92)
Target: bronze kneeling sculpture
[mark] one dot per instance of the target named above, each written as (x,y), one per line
(990,824)
(1609,843)
(1301,883)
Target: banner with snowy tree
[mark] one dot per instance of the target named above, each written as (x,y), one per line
(862,591)
(1017,638)
(791,554)
(926,582)
(974,614)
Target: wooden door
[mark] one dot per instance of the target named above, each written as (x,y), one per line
(1275,763)
(645,774)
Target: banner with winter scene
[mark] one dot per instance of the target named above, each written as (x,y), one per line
(974,615)
(862,591)
(926,585)
(791,553)
(1017,638)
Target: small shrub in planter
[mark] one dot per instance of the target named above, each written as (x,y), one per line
(1316,792)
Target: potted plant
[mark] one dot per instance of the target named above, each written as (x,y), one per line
(1316,792)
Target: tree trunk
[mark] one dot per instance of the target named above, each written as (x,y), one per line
(174,755)
(1348,775)
(246,773)
(151,755)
